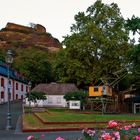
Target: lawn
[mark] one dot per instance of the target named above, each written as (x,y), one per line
(61,115)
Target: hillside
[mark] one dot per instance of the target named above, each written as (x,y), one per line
(19,36)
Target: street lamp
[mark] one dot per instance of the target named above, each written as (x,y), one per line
(30,85)
(9,60)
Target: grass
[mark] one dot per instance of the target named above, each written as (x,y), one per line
(62,115)
(31,122)
(67,116)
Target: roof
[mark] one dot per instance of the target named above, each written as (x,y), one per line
(12,73)
(55,88)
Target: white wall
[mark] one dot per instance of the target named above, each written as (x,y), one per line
(52,100)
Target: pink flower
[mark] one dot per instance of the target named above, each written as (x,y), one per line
(42,135)
(112,124)
(90,132)
(137,138)
(139,130)
(59,138)
(127,127)
(30,137)
(116,135)
(106,136)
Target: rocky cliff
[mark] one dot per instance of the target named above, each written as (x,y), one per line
(14,35)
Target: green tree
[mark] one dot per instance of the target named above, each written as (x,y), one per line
(133,25)
(97,46)
(34,65)
(2,56)
(77,95)
(34,96)
(59,65)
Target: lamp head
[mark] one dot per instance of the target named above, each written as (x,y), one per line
(9,57)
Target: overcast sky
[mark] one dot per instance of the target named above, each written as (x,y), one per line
(56,15)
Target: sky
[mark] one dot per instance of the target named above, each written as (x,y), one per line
(56,16)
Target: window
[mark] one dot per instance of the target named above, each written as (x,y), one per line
(22,97)
(9,96)
(16,96)
(16,86)
(59,100)
(22,87)
(50,100)
(10,82)
(95,89)
(26,88)
(2,95)
(75,104)
(2,82)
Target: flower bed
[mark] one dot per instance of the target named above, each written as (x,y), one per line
(113,131)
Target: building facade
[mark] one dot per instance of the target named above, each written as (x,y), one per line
(54,93)
(18,85)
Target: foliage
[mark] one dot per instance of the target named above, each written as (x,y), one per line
(32,25)
(97,46)
(34,65)
(34,96)
(117,132)
(77,95)
(60,67)
(133,25)
(2,58)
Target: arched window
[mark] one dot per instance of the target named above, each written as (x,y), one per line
(2,82)
(2,94)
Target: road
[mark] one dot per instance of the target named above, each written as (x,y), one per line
(16,111)
(67,135)
(16,134)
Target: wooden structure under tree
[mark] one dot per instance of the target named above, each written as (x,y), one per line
(102,98)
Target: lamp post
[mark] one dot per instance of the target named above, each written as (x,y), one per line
(9,60)
(30,85)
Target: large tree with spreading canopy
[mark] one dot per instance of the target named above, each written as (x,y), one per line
(96,48)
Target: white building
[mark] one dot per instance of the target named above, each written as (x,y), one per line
(17,84)
(55,94)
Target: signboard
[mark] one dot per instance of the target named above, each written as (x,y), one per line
(74,104)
